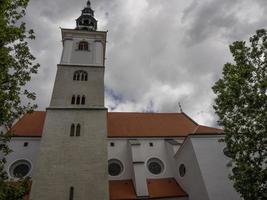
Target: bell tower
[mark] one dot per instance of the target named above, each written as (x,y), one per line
(72,161)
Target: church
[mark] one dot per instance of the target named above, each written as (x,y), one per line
(77,150)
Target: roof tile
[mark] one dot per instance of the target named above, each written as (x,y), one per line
(125,124)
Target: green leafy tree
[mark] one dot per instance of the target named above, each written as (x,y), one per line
(241,105)
(16,67)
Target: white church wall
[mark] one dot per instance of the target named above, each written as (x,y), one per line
(21,152)
(121,151)
(65,87)
(171,150)
(83,57)
(77,161)
(143,153)
(192,181)
(71,54)
(66,52)
(212,163)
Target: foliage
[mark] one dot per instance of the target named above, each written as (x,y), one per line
(14,190)
(16,67)
(241,105)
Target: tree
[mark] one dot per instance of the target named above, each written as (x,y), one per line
(241,105)
(17,66)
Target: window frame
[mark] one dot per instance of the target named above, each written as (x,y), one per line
(119,163)
(83,46)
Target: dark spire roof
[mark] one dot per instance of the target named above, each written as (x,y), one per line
(87,21)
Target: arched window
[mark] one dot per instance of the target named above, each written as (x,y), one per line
(82,78)
(80,75)
(72,130)
(83,100)
(75,77)
(78,100)
(73,99)
(78,130)
(83,46)
(71,193)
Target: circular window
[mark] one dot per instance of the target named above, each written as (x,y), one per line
(20,169)
(155,166)
(182,170)
(115,167)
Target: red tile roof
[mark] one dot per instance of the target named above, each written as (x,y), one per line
(166,187)
(125,124)
(121,189)
(207,130)
(157,188)
(30,125)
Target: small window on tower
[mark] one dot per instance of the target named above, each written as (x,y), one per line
(83,46)
(83,100)
(78,130)
(71,193)
(73,99)
(78,100)
(80,75)
(72,129)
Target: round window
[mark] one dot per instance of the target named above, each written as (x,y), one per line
(155,166)
(115,167)
(182,170)
(20,169)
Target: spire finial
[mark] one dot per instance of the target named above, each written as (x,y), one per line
(87,21)
(180,106)
(88,4)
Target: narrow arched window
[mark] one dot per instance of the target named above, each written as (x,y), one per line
(73,99)
(80,75)
(71,194)
(78,130)
(83,46)
(72,130)
(78,100)
(83,100)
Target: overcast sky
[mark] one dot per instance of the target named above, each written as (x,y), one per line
(159,52)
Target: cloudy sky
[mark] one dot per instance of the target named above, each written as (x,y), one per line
(159,52)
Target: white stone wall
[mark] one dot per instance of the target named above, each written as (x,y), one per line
(66,161)
(213,166)
(122,151)
(206,175)
(72,55)
(65,87)
(192,182)
(21,152)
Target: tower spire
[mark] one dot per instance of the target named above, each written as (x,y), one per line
(87,21)
(88,4)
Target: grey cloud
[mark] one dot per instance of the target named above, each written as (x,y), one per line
(158,52)
(221,19)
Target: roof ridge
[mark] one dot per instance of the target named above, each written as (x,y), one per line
(190,118)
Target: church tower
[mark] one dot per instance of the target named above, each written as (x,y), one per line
(72,161)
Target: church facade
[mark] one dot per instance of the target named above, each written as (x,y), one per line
(77,150)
